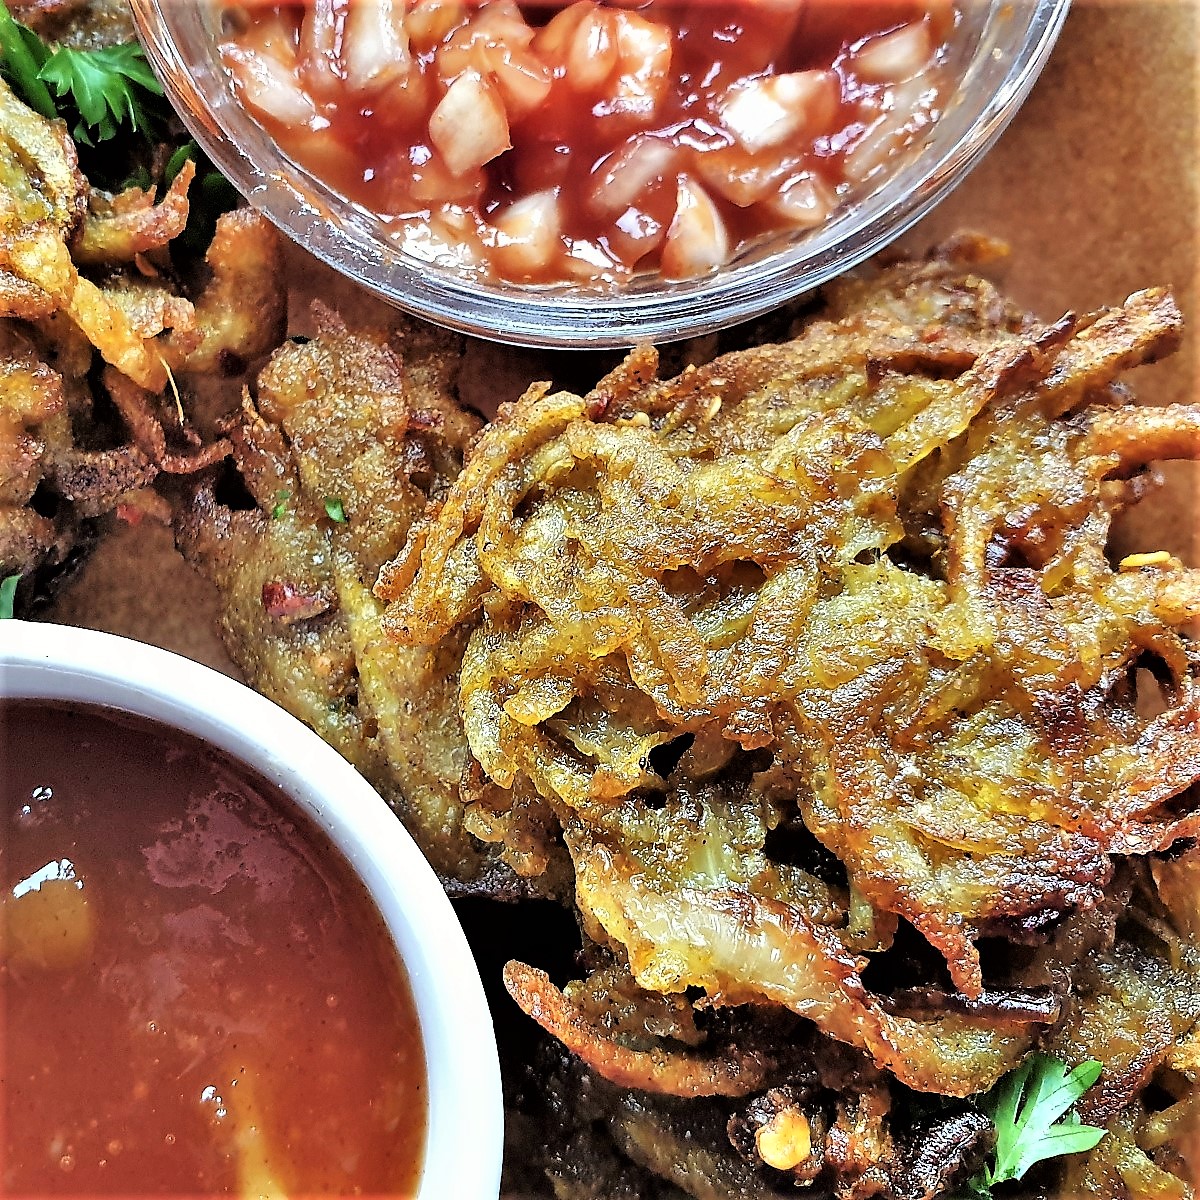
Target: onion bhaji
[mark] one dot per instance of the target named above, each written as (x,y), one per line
(80,24)
(807,676)
(345,441)
(100,341)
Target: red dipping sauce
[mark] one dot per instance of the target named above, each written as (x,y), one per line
(198,995)
(547,143)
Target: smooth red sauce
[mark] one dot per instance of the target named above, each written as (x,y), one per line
(198,995)
(570,140)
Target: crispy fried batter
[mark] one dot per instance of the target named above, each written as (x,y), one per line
(345,424)
(63,457)
(119,228)
(676,1072)
(241,313)
(853,585)
(811,669)
(32,408)
(43,199)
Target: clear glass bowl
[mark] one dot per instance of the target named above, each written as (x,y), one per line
(1002,47)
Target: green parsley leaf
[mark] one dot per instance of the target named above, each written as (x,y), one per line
(22,56)
(334,510)
(1026,1107)
(281,498)
(185,153)
(8,593)
(108,87)
(96,91)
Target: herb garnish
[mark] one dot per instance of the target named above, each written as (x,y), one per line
(211,195)
(1025,1107)
(335,510)
(8,593)
(109,86)
(22,56)
(96,91)
(281,498)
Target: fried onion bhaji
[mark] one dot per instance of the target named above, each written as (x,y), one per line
(345,441)
(101,343)
(80,24)
(816,658)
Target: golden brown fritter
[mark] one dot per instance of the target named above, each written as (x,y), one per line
(818,644)
(805,674)
(101,343)
(347,438)
(848,1131)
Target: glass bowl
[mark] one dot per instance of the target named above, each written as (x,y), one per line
(998,53)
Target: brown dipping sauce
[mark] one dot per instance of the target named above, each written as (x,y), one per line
(198,995)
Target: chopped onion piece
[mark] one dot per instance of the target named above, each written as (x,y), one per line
(644,63)
(321,32)
(521,79)
(375,45)
(697,240)
(621,178)
(454,238)
(269,86)
(588,260)
(634,234)
(429,21)
(431,182)
(592,55)
(743,179)
(895,56)
(553,40)
(500,23)
(805,201)
(469,126)
(901,113)
(528,232)
(409,96)
(780,108)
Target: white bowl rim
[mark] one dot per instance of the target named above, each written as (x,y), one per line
(464,1138)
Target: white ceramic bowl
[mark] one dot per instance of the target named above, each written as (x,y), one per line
(465,1131)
